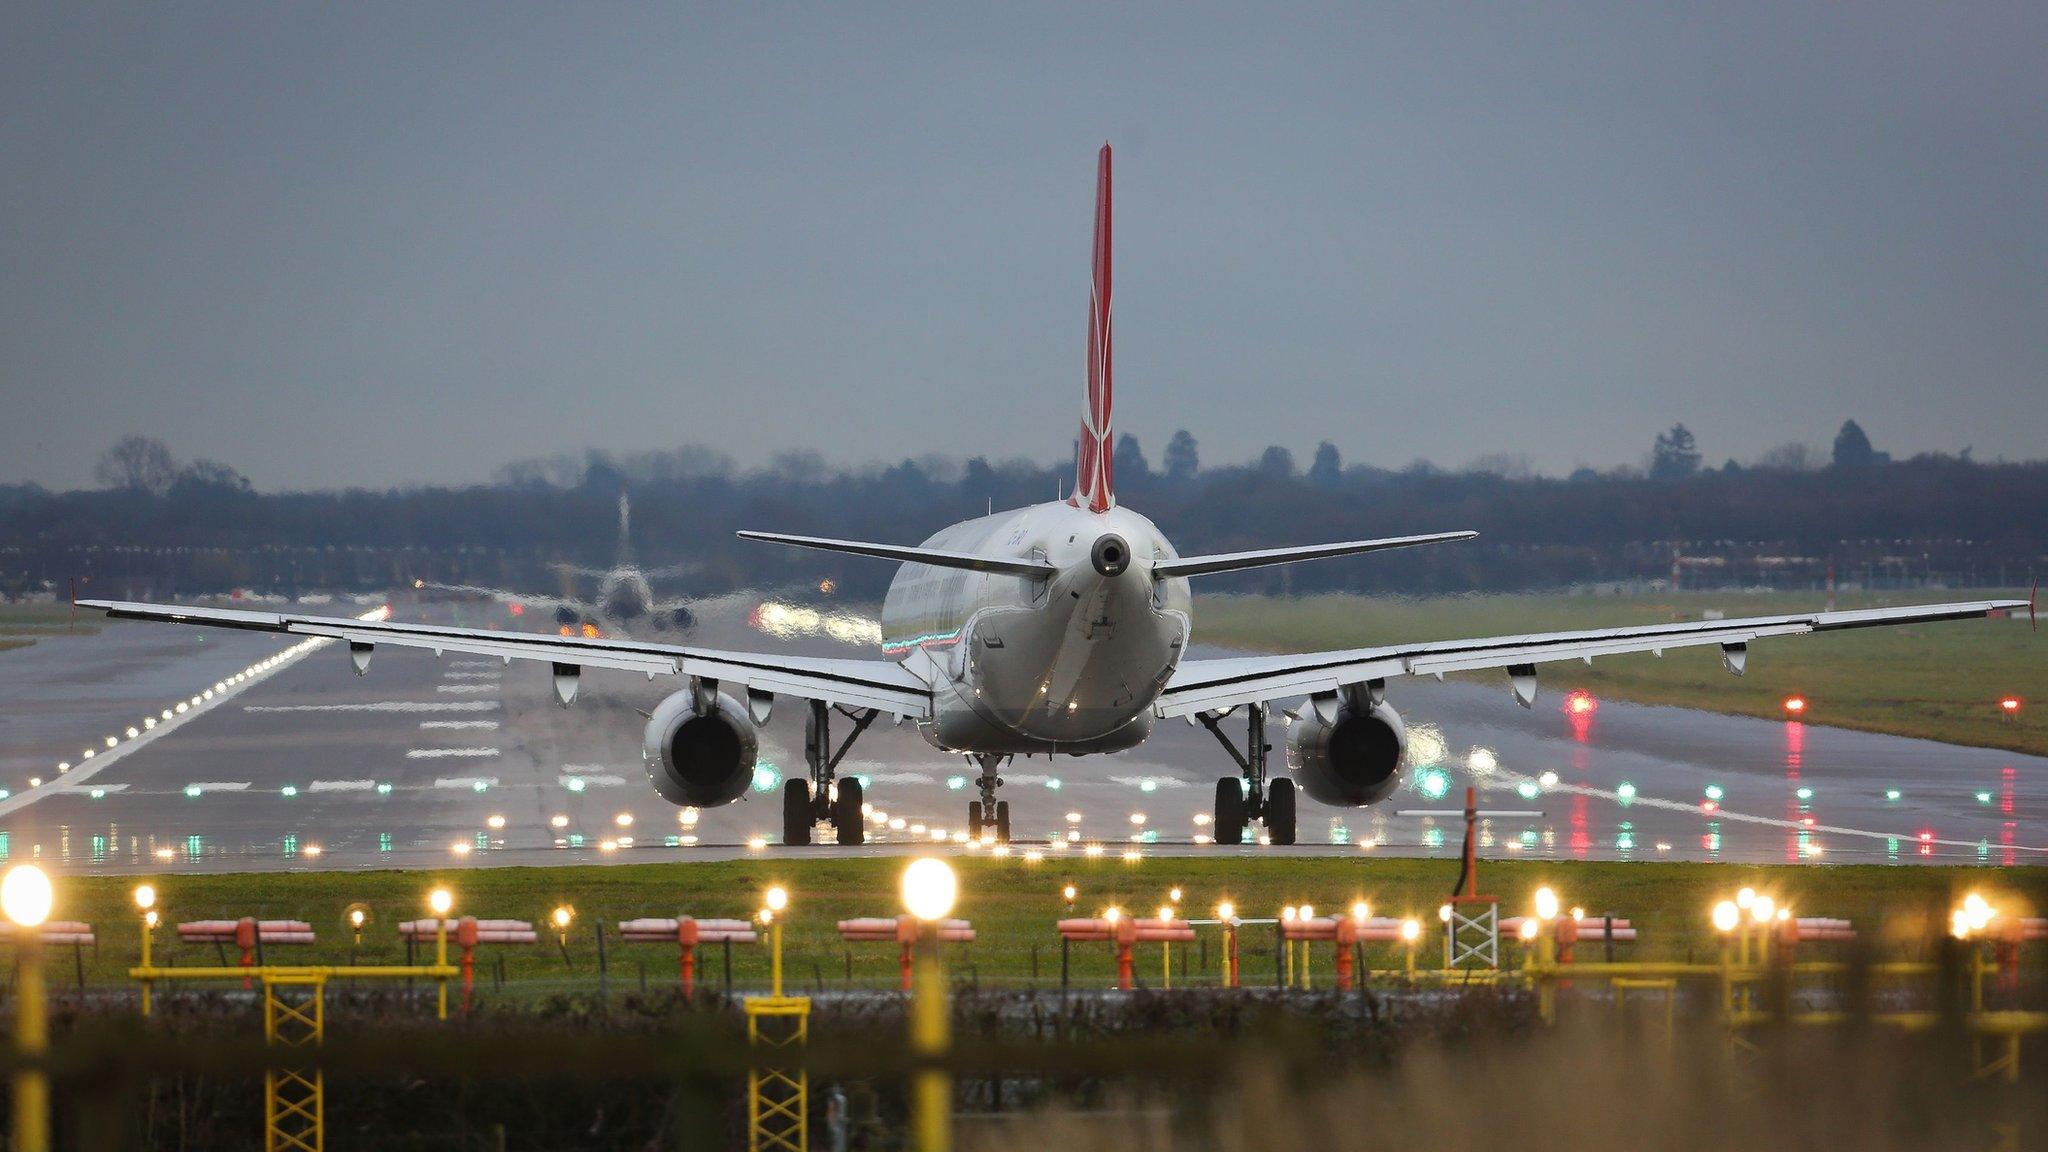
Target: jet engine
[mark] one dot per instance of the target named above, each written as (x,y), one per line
(1352,759)
(700,752)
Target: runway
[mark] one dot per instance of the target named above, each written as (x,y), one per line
(465,762)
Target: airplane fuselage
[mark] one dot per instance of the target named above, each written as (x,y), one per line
(1066,663)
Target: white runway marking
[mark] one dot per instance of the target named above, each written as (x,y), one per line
(1140,781)
(465,687)
(341,785)
(473,664)
(382,706)
(471,675)
(443,753)
(90,789)
(469,782)
(216,786)
(596,780)
(485,724)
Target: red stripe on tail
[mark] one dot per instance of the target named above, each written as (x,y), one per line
(1094,480)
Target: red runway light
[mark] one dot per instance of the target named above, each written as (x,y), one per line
(2010,704)
(518,609)
(1580,702)
(1796,705)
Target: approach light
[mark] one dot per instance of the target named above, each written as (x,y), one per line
(1745,897)
(1546,903)
(25,896)
(777,898)
(1361,911)
(1068,893)
(1173,894)
(1411,930)
(929,889)
(1443,913)
(1726,916)
(1530,926)
(145,897)
(440,900)
(2010,705)
(1308,911)
(1112,914)
(1226,911)
(355,918)
(1761,909)
(1795,705)
(1548,779)
(1166,914)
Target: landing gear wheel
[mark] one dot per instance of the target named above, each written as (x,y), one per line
(1002,821)
(847,818)
(974,819)
(796,812)
(1280,811)
(1230,814)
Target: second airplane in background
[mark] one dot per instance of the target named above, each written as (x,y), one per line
(1057,629)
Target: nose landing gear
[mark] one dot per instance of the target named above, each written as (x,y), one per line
(1250,796)
(989,814)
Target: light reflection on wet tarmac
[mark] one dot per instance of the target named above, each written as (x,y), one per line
(463,761)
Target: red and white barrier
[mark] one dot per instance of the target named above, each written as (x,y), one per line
(487,931)
(1125,933)
(73,932)
(1586,930)
(903,931)
(662,930)
(686,933)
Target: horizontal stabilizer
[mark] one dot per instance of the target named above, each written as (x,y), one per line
(1235,561)
(937,558)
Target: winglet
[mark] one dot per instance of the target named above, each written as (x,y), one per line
(2034,598)
(1094,482)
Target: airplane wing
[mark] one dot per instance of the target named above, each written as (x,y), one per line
(1206,685)
(880,684)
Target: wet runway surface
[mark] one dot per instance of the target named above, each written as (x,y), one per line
(462,760)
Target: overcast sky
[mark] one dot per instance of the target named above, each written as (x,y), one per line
(349,244)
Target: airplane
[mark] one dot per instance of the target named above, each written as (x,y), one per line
(625,603)
(1058,629)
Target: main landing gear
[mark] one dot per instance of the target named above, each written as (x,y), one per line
(1240,800)
(989,814)
(805,803)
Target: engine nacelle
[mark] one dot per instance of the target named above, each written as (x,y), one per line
(1354,760)
(701,761)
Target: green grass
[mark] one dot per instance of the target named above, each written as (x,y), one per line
(22,624)
(1012,903)
(1938,681)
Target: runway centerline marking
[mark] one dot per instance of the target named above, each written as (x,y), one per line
(472,675)
(469,782)
(484,724)
(216,786)
(443,753)
(599,780)
(465,687)
(341,785)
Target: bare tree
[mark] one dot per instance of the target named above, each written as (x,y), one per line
(138,464)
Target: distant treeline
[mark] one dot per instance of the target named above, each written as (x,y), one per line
(1872,520)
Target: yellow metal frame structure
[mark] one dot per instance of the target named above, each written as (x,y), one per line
(295,1016)
(778,1097)
(294,1100)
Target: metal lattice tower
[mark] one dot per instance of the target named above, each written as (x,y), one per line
(294,1100)
(778,1097)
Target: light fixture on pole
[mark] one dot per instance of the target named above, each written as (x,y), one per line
(929,890)
(440,901)
(26,898)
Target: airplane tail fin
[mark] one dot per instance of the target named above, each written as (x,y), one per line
(1094,481)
